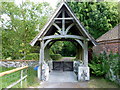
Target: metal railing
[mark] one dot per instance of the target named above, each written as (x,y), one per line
(13,77)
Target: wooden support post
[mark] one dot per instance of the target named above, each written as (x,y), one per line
(80,53)
(85,53)
(39,68)
(41,58)
(46,54)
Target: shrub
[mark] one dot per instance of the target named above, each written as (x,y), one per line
(56,56)
(106,65)
(32,56)
(114,69)
(98,64)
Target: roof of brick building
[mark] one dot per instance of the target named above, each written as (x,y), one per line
(112,34)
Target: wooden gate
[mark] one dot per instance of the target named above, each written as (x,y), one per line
(63,65)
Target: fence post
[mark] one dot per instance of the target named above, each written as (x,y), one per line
(21,76)
(25,78)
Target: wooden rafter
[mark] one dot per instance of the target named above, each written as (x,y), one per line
(63,18)
(63,23)
(62,9)
(66,36)
(59,29)
(68,28)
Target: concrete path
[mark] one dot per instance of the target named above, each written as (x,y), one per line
(64,85)
(60,76)
(60,79)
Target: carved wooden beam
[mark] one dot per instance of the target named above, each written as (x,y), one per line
(81,44)
(63,18)
(59,29)
(47,42)
(63,23)
(66,36)
(68,28)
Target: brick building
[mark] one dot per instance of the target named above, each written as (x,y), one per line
(109,42)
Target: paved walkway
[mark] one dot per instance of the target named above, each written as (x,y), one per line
(64,85)
(60,76)
(60,79)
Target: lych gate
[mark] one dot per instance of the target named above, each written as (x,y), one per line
(64,26)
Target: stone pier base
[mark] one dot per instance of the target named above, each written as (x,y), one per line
(83,73)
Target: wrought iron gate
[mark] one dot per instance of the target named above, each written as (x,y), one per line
(63,65)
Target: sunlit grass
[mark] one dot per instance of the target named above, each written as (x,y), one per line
(99,82)
(13,77)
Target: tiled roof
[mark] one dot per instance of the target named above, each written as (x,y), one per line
(111,34)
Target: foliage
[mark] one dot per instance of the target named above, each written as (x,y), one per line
(56,47)
(114,63)
(68,49)
(97,17)
(32,56)
(106,65)
(56,56)
(99,65)
(20,24)
(65,48)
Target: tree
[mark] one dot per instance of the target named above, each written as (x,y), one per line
(24,22)
(68,49)
(56,47)
(97,17)
(65,48)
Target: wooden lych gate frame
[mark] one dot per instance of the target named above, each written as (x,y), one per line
(63,26)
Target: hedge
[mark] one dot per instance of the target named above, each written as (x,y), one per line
(56,56)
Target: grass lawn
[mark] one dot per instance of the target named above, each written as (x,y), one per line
(10,78)
(99,82)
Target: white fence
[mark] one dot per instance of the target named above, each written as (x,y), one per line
(13,77)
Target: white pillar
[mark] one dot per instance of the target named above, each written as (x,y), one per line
(85,57)
(83,71)
(41,58)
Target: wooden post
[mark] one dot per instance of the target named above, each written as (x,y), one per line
(41,58)
(79,50)
(21,83)
(85,55)
(46,53)
(21,76)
